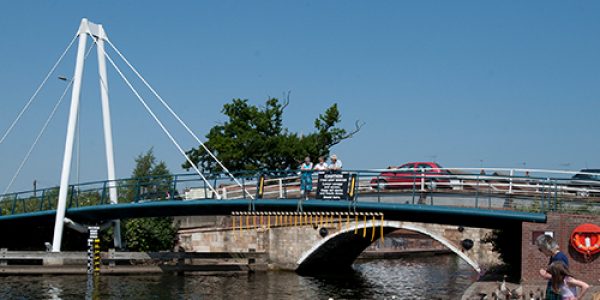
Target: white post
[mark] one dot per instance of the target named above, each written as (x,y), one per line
(510,182)
(73,112)
(108,141)
(422,180)
(280,188)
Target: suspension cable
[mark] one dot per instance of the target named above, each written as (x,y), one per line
(165,130)
(41,133)
(168,107)
(38,137)
(10,128)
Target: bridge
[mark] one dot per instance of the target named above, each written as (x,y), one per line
(472,197)
(454,198)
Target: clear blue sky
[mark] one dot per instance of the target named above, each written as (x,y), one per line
(508,82)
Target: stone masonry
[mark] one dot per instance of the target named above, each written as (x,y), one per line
(286,244)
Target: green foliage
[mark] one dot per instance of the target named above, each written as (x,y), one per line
(148,234)
(87,198)
(24,203)
(253,138)
(561,205)
(148,178)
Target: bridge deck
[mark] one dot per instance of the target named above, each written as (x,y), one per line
(464,216)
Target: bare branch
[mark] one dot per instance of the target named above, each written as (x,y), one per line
(287,100)
(358,125)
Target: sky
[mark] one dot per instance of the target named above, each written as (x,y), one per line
(465,83)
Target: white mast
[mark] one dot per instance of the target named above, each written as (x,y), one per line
(66,167)
(108,141)
(86,28)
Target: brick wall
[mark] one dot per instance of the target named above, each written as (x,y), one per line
(561,225)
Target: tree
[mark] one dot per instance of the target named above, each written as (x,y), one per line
(148,234)
(254,138)
(149,179)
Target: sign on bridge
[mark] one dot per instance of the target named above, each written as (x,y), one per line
(336,186)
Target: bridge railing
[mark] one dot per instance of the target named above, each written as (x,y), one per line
(524,189)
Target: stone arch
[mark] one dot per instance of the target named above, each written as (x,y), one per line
(340,249)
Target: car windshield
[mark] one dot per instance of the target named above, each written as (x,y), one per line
(425,167)
(588,176)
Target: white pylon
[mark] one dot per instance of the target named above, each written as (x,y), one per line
(85,28)
(108,141)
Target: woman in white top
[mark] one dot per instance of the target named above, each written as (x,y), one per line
(321,165)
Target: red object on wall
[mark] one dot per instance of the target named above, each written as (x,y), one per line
(585,239)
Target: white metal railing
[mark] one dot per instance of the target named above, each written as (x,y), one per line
(524,182)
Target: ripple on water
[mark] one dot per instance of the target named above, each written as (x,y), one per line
(435,277)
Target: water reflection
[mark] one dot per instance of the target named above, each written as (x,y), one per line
(92,291)
(437,277)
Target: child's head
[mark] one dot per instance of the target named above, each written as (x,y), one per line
(559,271)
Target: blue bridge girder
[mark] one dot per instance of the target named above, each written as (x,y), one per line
(460,216)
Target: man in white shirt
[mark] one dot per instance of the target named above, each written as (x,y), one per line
(335,165)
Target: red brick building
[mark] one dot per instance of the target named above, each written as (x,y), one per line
(560,226)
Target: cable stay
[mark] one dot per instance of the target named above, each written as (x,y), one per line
(32,147)
(12,125)
(42,131)
(165,130)
(181,122)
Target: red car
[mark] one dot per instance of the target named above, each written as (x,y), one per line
(409,175)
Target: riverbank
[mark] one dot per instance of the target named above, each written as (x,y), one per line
(113,262)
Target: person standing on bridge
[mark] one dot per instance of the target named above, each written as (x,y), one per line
(335,165)
(306,177)
(549,247)
(321,165)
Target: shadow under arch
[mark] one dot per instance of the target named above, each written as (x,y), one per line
(339,250)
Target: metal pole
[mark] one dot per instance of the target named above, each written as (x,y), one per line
(108,140)
(280,188)
(510,183)
(477,192)
(422,180)
(66,167)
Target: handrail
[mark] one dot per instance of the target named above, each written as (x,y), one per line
(549,188)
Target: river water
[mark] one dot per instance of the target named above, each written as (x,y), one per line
(434,277)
